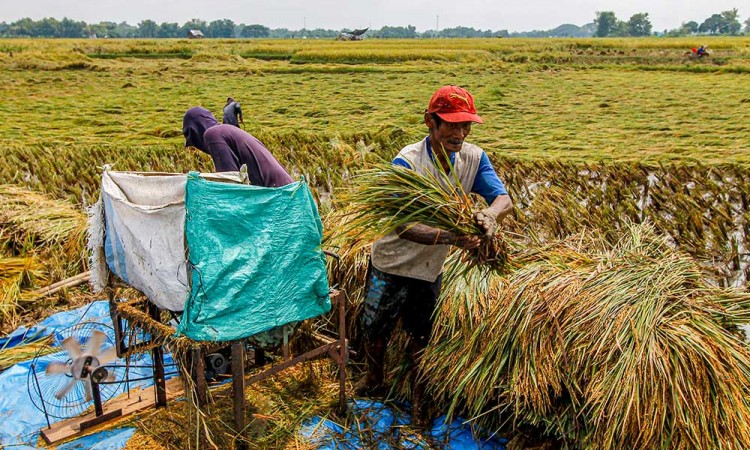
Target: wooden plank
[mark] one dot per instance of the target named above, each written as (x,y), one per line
(291,362)
(124,405)
(60,285)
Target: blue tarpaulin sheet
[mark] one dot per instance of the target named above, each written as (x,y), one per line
(378,426)
(381,427)
(20,420)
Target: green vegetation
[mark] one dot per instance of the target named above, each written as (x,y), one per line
(617,99)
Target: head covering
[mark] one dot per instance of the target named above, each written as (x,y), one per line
(454,104)
(196,121)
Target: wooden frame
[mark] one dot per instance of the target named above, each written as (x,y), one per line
(163,390)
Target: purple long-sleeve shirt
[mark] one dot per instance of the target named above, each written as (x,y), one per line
(231,147)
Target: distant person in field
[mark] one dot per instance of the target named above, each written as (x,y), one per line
(232,113)
(230,148)
(405,271)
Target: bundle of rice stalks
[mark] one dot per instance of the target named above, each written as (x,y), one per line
(388,198)
(26,351)
(33,215)
(52,230)
(15,275)
(347,273)
(35,220)
(605,346)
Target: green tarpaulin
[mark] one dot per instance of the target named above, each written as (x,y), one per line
(255,259)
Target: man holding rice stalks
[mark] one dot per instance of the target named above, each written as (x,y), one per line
(405,272)
(230,148)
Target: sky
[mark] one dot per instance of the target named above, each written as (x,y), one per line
(425,15)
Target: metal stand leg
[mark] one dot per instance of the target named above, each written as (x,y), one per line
(96,393)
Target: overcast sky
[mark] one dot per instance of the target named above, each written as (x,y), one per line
(495,15)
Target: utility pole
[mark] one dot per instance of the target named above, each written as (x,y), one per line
(437,24)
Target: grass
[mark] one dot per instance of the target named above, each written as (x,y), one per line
(572,99)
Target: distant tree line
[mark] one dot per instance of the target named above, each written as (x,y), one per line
(225,28)
(724,23)
(605,24)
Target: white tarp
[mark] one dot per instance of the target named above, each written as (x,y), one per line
(138,229)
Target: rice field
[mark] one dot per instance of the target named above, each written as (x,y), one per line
(588,134)
(616,100)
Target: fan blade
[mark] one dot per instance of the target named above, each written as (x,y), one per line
(64,391)
(107,356)
(95,342)
(87,385)
(71,345)
(55,368)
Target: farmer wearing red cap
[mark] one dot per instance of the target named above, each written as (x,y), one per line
(405,271)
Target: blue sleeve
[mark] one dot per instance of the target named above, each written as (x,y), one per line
(398,161)
(487,184)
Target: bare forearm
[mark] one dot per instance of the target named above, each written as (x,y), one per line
(425,234)
(489,217)
(500,207)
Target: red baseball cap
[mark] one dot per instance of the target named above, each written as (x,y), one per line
(454,104)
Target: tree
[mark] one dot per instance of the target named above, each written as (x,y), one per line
(711,25)
(255,31)
(169,30)
(321,33)
(72,29)
(606,23)
(730,23)
(639,25)
(148,29)
(22,27)
(397,32)
(460,32)
(220,29)
(281,33)
(47,27)
(747,26)
(690,27)
(96,29)
(125,30)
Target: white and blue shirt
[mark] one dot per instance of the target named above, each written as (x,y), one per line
(486,182)
(402,257)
